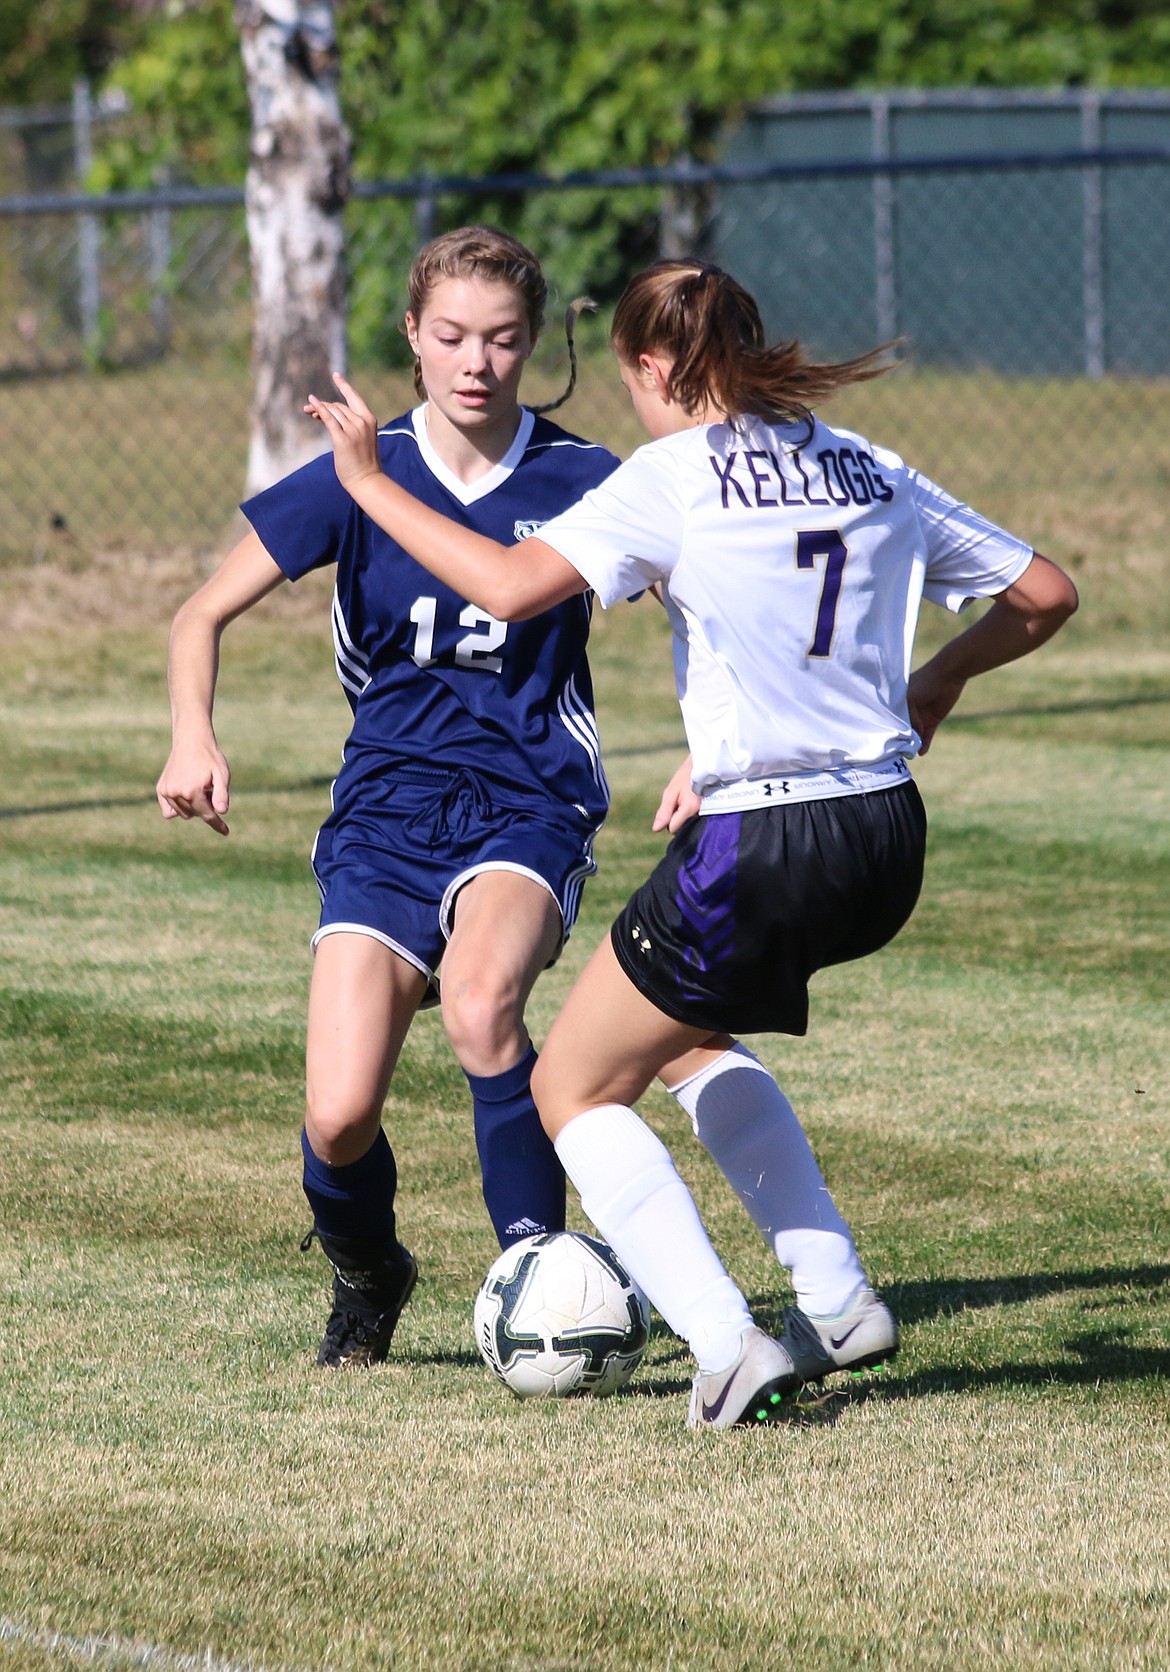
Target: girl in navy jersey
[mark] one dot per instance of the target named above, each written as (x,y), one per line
(792,558)
(464,813)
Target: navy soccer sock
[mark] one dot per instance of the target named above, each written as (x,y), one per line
(357,1200)
(523,1182)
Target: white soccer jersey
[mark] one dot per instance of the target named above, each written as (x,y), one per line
(792,568)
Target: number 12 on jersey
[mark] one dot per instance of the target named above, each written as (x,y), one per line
(473,650)
(811,544)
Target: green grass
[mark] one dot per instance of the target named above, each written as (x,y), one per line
(988,1097)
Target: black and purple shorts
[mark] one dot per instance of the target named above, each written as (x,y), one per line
(745,907)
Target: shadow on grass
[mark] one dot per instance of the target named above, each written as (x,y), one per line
(918,1301)
(147,799)
(1104,1356)
(1090,1358)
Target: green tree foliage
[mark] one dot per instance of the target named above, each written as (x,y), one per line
(496,86)
(480,87)
(186,87)
(45,46)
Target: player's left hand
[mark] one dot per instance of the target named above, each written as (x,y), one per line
(353,430)
(930,696)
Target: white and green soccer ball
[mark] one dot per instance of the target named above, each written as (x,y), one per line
(557,1315)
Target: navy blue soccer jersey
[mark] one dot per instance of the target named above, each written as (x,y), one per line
(432,679)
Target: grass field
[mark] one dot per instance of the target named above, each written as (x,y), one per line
(180,1487)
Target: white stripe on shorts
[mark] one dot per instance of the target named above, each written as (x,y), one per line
(373,934)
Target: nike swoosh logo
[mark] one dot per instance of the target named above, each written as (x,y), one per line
(711,1412)
(838,1341)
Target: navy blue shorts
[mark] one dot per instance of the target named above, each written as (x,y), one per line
(744,907)
(396,850)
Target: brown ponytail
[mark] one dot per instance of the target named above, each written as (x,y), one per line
(708,325)
(583,304)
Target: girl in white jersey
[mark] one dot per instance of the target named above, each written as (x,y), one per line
(791,558)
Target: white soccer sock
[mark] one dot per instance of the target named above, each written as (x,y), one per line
(631,1190)
(747,1126)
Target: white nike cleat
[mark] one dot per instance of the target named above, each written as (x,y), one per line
(865,1333)
(750,1392)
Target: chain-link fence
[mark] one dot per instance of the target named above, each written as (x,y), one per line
(1038,335)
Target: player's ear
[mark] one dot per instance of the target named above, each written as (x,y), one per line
(410,324)
(656,373)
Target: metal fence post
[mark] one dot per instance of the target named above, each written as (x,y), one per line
(159,259)
(1093,239)
(89,292)
(680,216)
(885,254)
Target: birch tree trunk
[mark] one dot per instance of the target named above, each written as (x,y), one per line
(298,179)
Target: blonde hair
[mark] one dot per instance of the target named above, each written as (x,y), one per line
(709,327)
(495,257)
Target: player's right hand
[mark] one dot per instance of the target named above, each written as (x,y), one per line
(195,784)
(679,801)
(353,430)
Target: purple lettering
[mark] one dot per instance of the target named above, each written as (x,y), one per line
(810,497)
(760,479)
(854,476)
(880,488)
(832,470)
(785,498)
(726,479)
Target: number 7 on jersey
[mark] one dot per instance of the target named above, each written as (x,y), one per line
(812,543)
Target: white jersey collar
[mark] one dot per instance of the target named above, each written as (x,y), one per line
(468,492)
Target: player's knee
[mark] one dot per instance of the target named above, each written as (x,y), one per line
(340,1126)
(484,1023)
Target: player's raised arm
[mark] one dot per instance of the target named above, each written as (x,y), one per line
(1019,620)
(195,782)
(510,583)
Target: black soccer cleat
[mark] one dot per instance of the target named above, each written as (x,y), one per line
(372,1282)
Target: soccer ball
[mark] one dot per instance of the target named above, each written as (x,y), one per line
(557,1314)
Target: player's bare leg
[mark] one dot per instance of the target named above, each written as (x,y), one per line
(608,1043)
(362,1000)
(507,928)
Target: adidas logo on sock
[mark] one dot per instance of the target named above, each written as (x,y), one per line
(524,1228)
